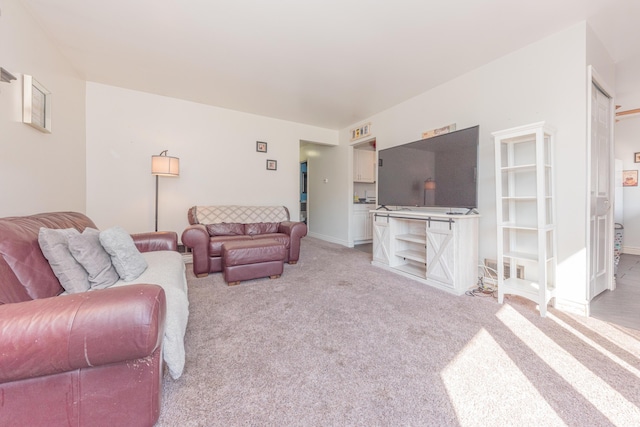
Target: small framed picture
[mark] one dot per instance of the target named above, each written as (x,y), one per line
(261,147)
(272,165)
(636,157)
(361,131)
(630,178)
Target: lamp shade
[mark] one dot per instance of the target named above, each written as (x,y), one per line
(164,165)
(429,184)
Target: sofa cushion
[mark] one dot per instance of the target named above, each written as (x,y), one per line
(260,228)
(280,237)
(25,274)
(125,256)
(89,252)
(55,248)
(166,269)
(215,243)
(226,229)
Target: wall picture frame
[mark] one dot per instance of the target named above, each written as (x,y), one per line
(36,104)
(361,131)
(435,132)
(630,178)
(261,147)
(636,157)
(272,165)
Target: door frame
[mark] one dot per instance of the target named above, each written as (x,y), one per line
(595,79)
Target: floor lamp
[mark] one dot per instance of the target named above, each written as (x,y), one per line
(163,165)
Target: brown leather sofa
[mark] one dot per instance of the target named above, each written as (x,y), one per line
(211,226)
(88,359)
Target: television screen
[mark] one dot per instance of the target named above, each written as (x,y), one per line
(436,172)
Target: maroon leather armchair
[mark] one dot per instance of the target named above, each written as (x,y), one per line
(91,358)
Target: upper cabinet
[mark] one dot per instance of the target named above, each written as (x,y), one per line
(364,166)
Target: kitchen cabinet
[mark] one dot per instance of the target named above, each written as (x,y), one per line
(364,166)
(362,222)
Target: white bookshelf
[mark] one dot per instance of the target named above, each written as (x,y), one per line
(525,212)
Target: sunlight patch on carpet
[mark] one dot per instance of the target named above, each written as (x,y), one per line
(598,392)
(484,386)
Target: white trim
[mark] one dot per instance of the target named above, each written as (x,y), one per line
(330,239)
(568,306)
(630,250)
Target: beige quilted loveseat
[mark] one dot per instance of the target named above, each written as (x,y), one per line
(212,226)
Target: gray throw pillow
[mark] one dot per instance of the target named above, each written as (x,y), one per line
(88,251)
(54,245)
(125,256)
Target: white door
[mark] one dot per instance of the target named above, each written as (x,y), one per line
(601,241)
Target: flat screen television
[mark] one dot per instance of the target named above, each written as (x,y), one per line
(438,172)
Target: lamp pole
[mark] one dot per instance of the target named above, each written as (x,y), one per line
(157,176)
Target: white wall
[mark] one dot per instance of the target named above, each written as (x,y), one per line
(545,81)
(217,150)
(39,172)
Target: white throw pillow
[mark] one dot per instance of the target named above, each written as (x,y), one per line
(125,256)
(88,251)
(54,245)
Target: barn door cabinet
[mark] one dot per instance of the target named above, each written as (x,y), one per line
(433,248)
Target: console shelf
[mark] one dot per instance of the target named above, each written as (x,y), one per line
(433,248)
(413,255)
(525,212)
(415,238)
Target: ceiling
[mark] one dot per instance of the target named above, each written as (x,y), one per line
(329,63)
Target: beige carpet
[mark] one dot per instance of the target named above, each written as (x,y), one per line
(338,342)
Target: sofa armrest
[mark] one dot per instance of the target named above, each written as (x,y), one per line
(293,229)
(296,231)
(60,334)
(156,241)
(197,238)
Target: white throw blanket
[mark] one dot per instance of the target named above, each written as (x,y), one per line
(166,269)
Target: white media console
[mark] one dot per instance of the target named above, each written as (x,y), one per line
(437,249)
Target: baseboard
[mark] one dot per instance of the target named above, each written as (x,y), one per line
(630,250)
(568,306)
(329,239)
(362,242)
